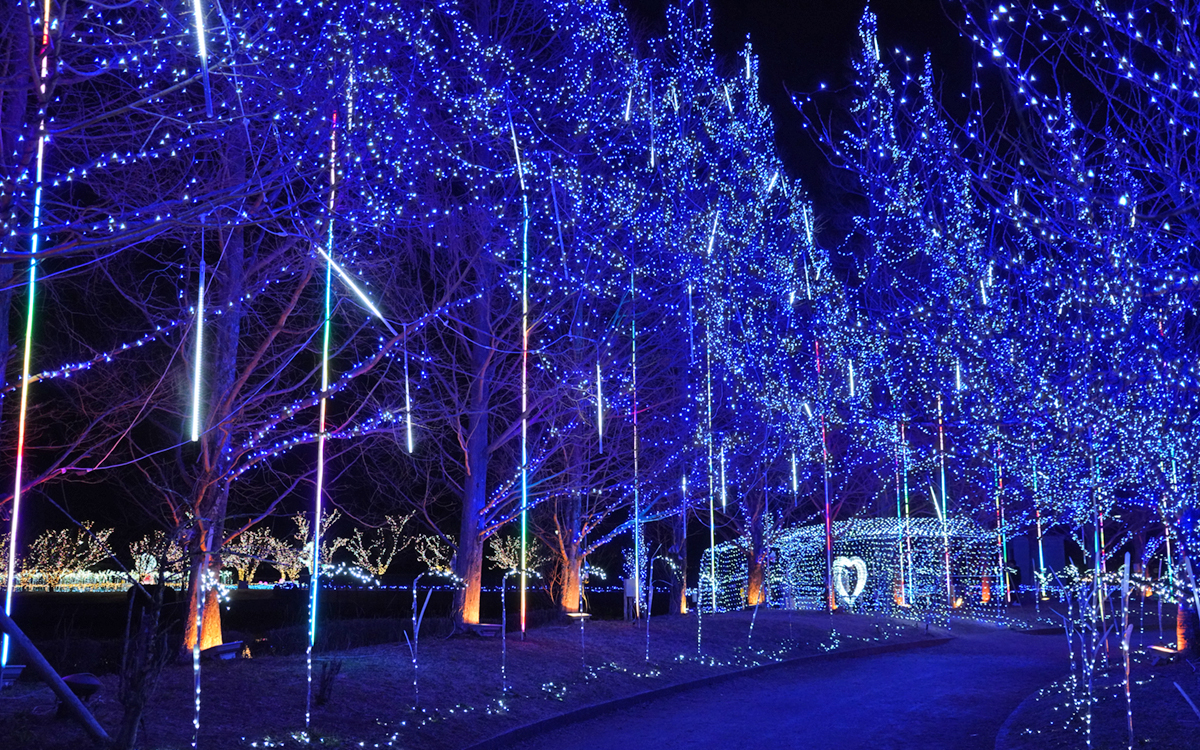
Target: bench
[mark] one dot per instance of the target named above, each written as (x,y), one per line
(1161,653)
(224,651)
(10,674)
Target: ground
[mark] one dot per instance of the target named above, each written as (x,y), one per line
(951,696)
(1056,716)
(955,695)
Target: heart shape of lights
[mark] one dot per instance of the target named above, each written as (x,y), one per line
(845,571)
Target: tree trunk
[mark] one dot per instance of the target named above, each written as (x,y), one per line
(1187,629)
(211,487)
(570,532)
(211,635)
(678,554)
(755,592)
(468,562)
(569,599)
(145,656)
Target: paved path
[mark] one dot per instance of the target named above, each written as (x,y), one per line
(954,696)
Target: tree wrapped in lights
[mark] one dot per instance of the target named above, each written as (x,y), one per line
(57,552)
(212,242)
(374,551)
(250,549)
(157,553)
(749,273)
(1098,194)
(528,234)
(937,326)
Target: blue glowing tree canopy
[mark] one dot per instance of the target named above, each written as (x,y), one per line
(574,290)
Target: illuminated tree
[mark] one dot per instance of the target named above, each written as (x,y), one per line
(250,549)
(57,552)
(1097,193)
(132,235)
(374,551)
(157,552)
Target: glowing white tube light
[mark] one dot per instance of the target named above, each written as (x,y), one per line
(202,44)
(341,272)
(599,407)
(199,353)
(408,403)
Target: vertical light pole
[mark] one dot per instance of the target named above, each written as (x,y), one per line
(637,502)
(315,577)
(15,522)
(945,504)
(712,522)
(1037,511)
(902,599)
(712,518)
(830,603)
(524,372)
(1001,555)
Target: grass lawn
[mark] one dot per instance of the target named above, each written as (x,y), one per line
(1056,717)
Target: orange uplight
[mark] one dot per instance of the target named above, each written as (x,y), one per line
(958,602)
(898,593)
(987,590)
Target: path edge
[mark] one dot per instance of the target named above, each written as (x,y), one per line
(1002,741)
(528,731)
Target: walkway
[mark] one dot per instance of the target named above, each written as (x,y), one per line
(950,697)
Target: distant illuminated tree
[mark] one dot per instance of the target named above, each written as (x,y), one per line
(434,553)
(374,551)
(250,549)
(57,552)
(5,539)
(504,553)
(329,543)
(155,552)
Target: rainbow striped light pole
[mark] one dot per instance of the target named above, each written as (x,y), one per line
(332,267)
(524,374)
(315,577)
(44,53)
